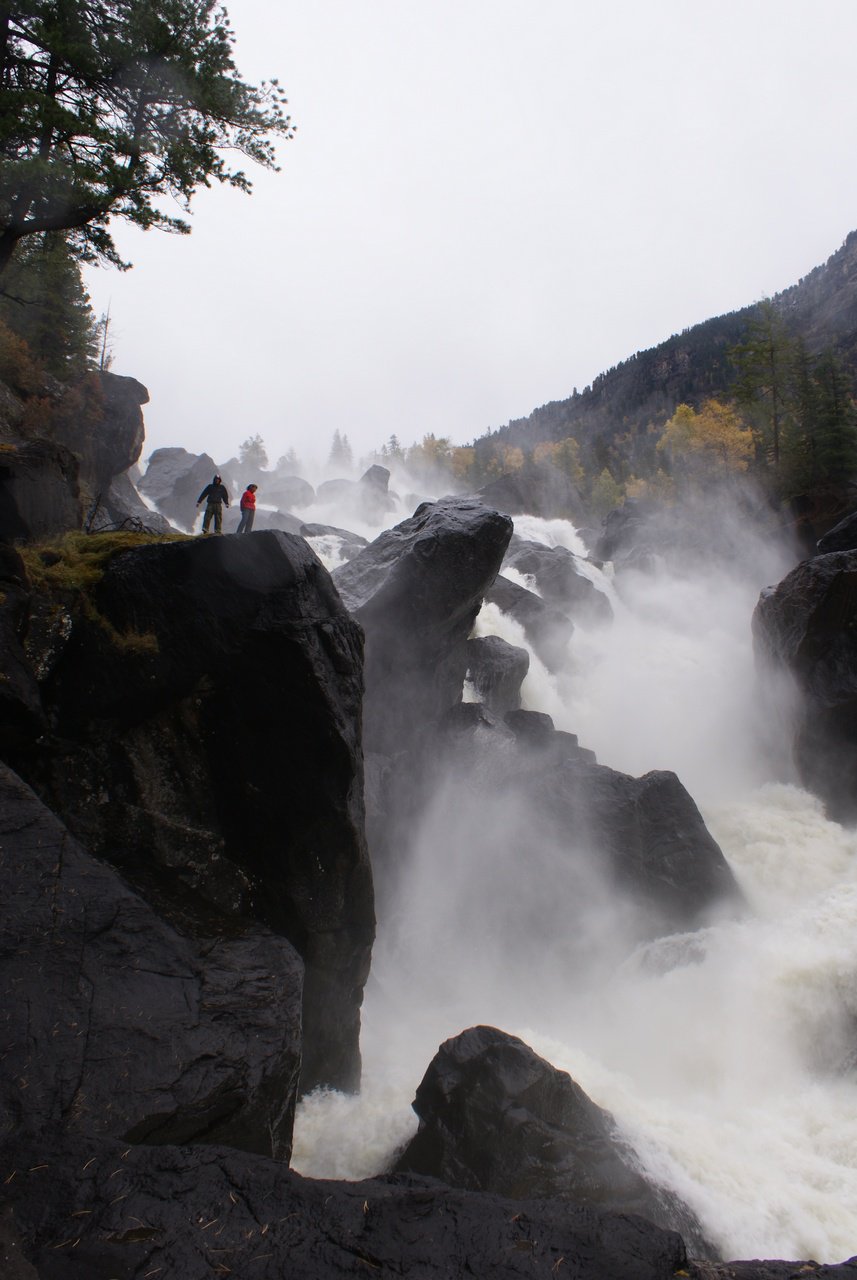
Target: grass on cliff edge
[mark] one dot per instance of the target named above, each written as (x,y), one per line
(76,563)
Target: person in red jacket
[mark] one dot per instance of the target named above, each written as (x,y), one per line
(248,508)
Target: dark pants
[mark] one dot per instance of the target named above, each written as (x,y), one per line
(247,517)
(213,509)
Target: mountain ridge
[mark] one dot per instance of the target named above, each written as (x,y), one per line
(694,364)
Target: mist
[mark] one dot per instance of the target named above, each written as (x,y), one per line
(726,1055)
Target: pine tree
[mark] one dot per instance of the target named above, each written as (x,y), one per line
(765,362)
(45,303)
(112,108)
(252,453)
(836,428)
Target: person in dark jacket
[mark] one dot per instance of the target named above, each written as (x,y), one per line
(216,498)
(248,508)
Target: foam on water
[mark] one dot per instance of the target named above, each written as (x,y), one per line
(727,1056)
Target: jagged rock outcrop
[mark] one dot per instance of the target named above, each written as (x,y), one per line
(205,737)
(115,1022)
(547,628)
(416,591)
(560,581)
(496,1117)
(497,669)
(110,446)
(808,626)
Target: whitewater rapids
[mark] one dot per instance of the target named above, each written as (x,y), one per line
(728,1057)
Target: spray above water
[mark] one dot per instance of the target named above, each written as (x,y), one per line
(727,1055)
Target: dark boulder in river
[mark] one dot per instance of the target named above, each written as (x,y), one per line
(494,1116)
(559,578)
(547,628)
(808,626)
(416,591)
(497,670)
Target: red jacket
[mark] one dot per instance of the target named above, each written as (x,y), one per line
(248,500)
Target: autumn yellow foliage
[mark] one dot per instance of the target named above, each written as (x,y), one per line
(715,438)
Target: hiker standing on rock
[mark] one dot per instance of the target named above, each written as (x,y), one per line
(248,508)
(216,497)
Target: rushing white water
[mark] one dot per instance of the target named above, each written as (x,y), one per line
(726,1056)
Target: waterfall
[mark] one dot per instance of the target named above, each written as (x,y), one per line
(727,1056)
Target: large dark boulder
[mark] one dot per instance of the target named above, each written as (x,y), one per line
(807,625)
(116,1023)
(558,576)
(496,1117)
(205,712)
(497,669)
(416,591)
(39,490)
(547,628)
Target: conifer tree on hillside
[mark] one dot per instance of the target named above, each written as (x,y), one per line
(340,456)
(835,434)
(108,106)
(765,364)
(45,304)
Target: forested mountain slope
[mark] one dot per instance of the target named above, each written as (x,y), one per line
(690,366)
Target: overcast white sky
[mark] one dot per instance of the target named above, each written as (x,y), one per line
(487,204)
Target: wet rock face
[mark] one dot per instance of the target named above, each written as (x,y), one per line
(558,578)
(191,1213)
(497,670)
(808,625)
(206,738)
(496,1117)
(39,491)
(116,1023)
(547,628)
(416,591)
